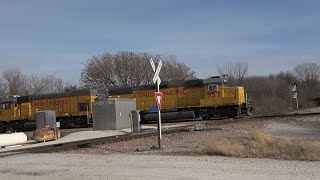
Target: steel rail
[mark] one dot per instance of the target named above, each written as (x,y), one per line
(284,115)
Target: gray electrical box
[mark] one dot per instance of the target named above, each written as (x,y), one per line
(135,121)
(112,114)
(46,119)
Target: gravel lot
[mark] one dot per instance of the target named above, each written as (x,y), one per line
(306,128)
(180,157)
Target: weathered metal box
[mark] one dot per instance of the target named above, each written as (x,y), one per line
(112,114)
(46,119)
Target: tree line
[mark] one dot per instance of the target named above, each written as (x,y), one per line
(269,93)
(124,68)
(14,82)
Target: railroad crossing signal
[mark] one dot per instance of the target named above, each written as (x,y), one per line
(158,96)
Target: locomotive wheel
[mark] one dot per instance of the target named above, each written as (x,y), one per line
(20,127)
(205,117)
(84,123)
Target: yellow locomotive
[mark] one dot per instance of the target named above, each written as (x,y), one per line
(206,98)
(72,108)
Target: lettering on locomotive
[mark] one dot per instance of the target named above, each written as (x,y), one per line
(172,92)
(49,103)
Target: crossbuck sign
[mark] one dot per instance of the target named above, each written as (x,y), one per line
(156,77)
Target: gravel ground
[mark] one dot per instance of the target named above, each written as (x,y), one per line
(306,128)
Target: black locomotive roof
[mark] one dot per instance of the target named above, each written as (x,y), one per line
(66,94)
(120,90)
(24,99)
(177,83)
(9,99)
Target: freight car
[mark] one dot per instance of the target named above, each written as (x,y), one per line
(72,109)
(206,98)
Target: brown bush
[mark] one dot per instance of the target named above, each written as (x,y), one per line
(267,104)
(225,147)
(263,145)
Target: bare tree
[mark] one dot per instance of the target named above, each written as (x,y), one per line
(308,74)
(129,69)
(272,93)
(146,74)
(133,69)
(53,84)
(3,88)
(45,84)
(236,72)
(226,69)
(126,65)
(240,70)
(268,93)
(288,77)
(69,86)
(98,73)
(16,81)
(174,70)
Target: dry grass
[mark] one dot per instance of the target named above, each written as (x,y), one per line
(263,145)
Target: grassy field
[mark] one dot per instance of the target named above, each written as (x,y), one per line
(263,145)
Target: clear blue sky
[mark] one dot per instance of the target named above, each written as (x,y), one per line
(58,36)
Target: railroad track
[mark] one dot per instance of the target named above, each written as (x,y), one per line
(241,117)
(87,142)
(109,139)
(224,120)
(285,115)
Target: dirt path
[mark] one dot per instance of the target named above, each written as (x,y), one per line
(124,166)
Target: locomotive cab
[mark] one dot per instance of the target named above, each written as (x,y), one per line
(10,113)
(220,100)
(9,108)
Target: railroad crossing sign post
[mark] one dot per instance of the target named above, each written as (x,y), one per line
(158,96)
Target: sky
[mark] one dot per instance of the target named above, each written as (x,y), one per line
(58,36)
